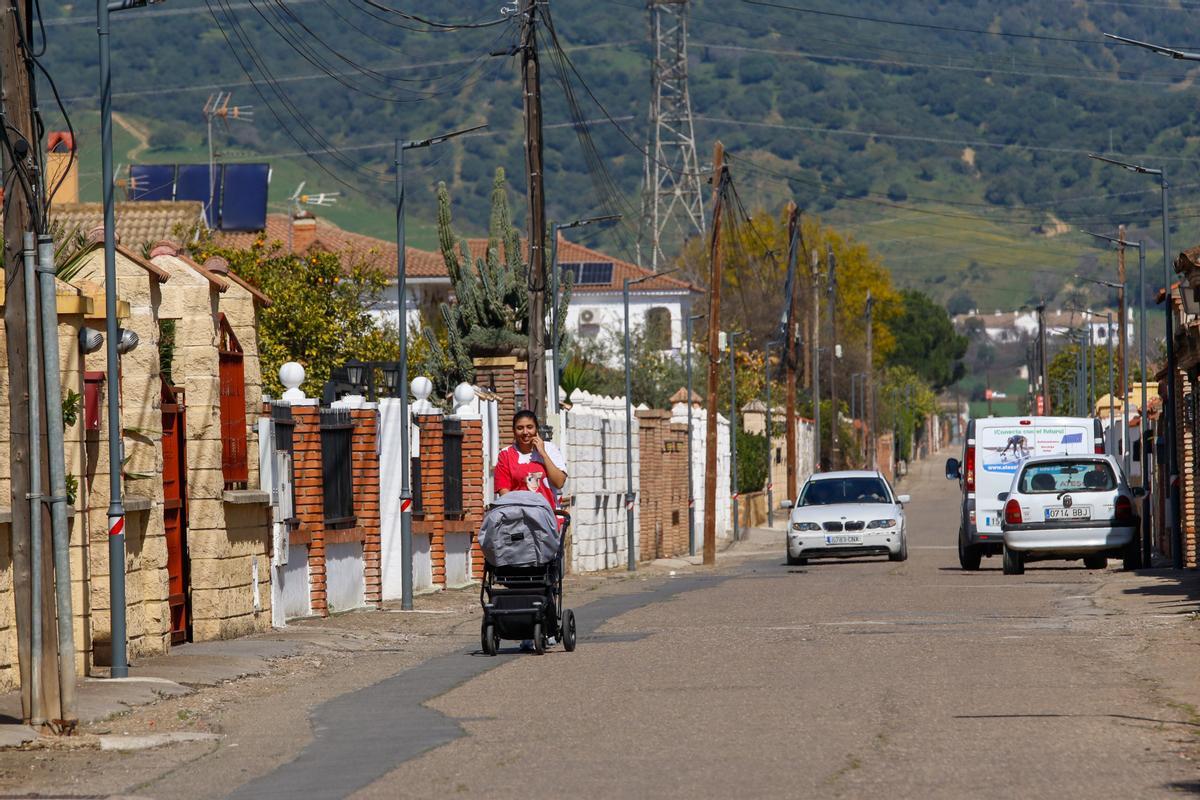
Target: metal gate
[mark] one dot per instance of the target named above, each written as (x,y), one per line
(174,477)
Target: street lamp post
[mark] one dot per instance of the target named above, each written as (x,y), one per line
(1145,452)
(733,431)
(116,506)
(1172,488)
(770,448)
(406,550)
(691,467)
(555,339)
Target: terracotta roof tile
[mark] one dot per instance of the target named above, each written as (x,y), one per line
(427,264)
(138,223)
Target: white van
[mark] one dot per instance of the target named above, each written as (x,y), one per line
(994,449)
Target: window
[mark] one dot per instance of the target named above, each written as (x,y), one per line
(831,491)
(589,330)
(1067,476)
(658,328)
(234,463)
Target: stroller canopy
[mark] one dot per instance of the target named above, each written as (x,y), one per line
(519,529)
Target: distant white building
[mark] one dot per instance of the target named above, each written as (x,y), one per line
(1005,327)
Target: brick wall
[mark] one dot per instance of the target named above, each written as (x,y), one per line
(1185,422)
(364,449)
(663,498)
(310,499)
(885,449)
(505,376)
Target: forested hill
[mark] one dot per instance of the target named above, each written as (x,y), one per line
(950,135)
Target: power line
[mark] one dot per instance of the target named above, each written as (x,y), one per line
(926,25)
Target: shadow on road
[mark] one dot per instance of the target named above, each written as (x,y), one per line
(1129,717)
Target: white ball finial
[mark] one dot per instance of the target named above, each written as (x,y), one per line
(291,375)
(421,388)
(464,401)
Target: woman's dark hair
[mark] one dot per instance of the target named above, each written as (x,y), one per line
(524,413)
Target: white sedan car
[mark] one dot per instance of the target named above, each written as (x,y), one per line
(1068,507)
(846,514)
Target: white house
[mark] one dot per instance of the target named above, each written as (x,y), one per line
(596,309)
(1014,326)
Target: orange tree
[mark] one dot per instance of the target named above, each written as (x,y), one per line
(319,313)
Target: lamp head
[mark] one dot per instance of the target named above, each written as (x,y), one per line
(127,340)
(90,340)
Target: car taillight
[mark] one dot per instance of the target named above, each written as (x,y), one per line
(1099,448)
(970,474)
(1124,510)
(1012,513)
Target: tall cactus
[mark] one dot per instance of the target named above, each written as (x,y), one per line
(490,314)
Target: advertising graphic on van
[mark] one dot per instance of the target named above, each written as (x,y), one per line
(1004,449)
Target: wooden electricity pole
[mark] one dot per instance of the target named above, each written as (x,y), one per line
(1123,353)
(535,391)
(790,347)
(869,388)
(714,359)
(1044,362)
(831,287)
(21,197)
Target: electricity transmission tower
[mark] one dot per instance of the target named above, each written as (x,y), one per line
(672,198)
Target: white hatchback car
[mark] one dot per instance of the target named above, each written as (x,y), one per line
(1067,507)
(846,514)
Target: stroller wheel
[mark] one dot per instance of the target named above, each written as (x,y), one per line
(539,641)
(491,642)
(568,632)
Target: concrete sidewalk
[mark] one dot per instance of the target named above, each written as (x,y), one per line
(191,668)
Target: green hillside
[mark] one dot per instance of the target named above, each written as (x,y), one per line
(954,143)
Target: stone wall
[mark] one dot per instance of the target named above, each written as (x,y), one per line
(1185,421)
(139,285)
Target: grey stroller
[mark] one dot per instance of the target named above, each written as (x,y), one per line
(521,593)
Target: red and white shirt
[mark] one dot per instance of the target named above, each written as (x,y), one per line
(517,472)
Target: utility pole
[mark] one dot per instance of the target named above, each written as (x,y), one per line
(535,389)
(720,176)
(831,288)
(790,335)
(1123,353)
(815,340)
(217,107)
(731,340)
(868,392)
(1044,361)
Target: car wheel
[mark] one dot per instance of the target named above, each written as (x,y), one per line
(1014,562)
(1132,557)
(1096,561)
(968,556)
(796,561)
(902,553)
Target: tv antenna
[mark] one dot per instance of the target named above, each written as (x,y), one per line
(217,107)
(323,199)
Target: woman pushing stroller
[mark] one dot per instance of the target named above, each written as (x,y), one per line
(522,542)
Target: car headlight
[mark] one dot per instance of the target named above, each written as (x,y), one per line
(805,526)
(882,523)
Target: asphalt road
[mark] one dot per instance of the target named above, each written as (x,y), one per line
(841,679)
(856,679)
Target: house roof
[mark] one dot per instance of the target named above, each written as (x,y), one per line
(138,223)
(572,253)
(381,253)
(363,249)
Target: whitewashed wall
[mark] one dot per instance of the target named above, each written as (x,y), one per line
(699,438)
(594,446)
(390,431)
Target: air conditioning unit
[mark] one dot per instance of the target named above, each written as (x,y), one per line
(587,316)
